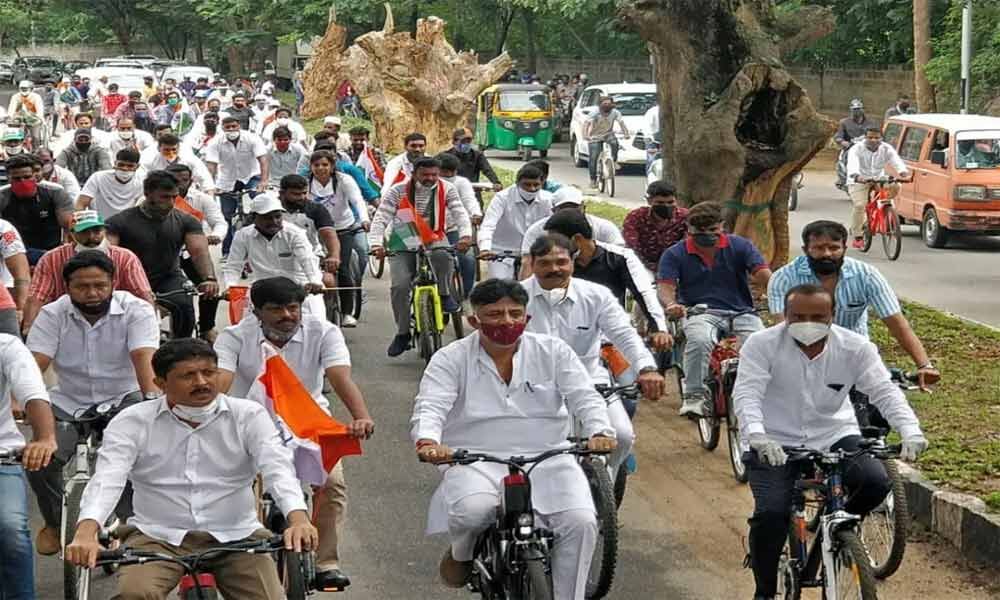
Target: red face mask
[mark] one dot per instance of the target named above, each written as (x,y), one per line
(282,145)
(24,188)
(504,335)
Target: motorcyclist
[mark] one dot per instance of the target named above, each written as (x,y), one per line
(851,128)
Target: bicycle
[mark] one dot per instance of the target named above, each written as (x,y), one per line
(502,256)
(242,199)
(198,583)
(836,560)
(793,191)
(606,170)
(512,557)
(166,308)
(881,218)
(296,570)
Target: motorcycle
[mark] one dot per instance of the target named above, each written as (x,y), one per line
(842,164)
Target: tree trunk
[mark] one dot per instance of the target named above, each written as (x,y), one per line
(926,102)
(735,125)
(406,83)
(506,18)
(530,32)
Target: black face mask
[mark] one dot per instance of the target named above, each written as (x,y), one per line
(664,211)
(83,147)
(93,310)
(705,240)
(825,266)
(210,127)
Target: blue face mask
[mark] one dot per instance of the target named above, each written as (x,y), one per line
(463,148)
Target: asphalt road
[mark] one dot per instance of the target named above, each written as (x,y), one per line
(962,278)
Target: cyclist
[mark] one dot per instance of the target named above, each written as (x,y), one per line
(650,230)
(709,267)
(548,184)
(865,162)
(426,203)
(332,125)
(508,217)
(112,191)
(473,161)
(283,118)
(85,120)
(238,161)
(39,211)
(53,173)
(87,232)
(169,151)
(126,135)
(792,390)
(19,377)
(325,141)
(15,272)
(400,168)
(241,111)
(28,105)
(284,156)
(216,445)
(366,156)
(127,109)
(155,231)
(83,157)
(599,129)
(449,172)
(582,313)
(99,341)
(315,220)
(204,131)
(314,349)
(508,392)
(852,127)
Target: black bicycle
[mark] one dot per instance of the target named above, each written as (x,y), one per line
(167,307)
(513,557)
(242,215)
(296,570)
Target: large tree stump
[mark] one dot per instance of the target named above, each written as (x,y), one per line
(735,125)
(406,83)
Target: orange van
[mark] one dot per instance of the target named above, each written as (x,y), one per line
(955,160)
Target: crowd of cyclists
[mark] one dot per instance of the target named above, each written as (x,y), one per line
(119,222)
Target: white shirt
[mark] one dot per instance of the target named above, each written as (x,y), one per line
(201,177)
(109,195)
(225,98)
(587,314)
(288,254)
(93,362)
(652,122)
(141,140)
(345,205)
(19,376)
(214,222)
(604,231)
(235,162)
(796,401)
(315,347)
(299,134)
(508,217)
(11,244)
(192,479)
(16,103)
(65,178)
(864,163)
(468,195)
(396,165)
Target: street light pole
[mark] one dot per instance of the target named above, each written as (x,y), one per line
(966,55)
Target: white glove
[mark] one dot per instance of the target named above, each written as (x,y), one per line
(769,451)
(912,448)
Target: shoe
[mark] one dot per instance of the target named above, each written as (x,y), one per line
(348,321)
(331,580)
(455,574)
(47,542)
(449,305)
(399,345)
(858,243)
(693,406)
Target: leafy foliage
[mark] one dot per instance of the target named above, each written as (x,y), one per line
(944,70)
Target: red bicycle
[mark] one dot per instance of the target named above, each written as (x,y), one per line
(882,218)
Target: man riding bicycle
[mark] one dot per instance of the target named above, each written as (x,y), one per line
(792,390)
(650,230)
(418,212)
(314,348)
(852,127)
(100,342)
(400,168)
(192,457)
(712,268)
(866,162)
(508,217)
(507,392)
(599,129)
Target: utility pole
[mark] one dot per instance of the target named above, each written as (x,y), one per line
(966,55)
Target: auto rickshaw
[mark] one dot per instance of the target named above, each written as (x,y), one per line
(518,117)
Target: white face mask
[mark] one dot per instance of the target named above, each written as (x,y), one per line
(555,295)
(126,134)
(12,150)
(808,334)
(25,92)
(123,175)
(283,121)
(528,196)
(196,414)
(103,246)
(232,136)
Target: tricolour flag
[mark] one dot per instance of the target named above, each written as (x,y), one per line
(369,164)
(317,439)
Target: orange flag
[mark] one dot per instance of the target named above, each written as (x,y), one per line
(237,302)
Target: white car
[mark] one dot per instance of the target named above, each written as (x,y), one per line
(633,100)
(178,72)
(128,79)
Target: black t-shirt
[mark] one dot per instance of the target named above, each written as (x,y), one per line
(311,218)
(37,220)
(243,115)
(610,268)
(158,244)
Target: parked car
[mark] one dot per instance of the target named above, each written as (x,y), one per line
(37,69)
(178,72)
(955,160)
(6,72)
(633,100)
(145,60)
(158,66)
(118,62)
(71,67)
(128,79)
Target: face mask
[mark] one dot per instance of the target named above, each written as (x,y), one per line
(808,334)
(47,169)
(123,175)
(282,145)
(12,150)
(83,146)
(504,335)
(904,106)
(528,196)
(142,114)
(126,134)
(210,126)
(555,295)
(103,246)
(705,240)
(172,101)
(282,121)
(278,336)
(664,211)
(463,148)
(232,136)
(25,188)
(100,308)
(421,186)
(155,214)
(196,414)
(412,156)
(25,92)
(261,105)
(824,266)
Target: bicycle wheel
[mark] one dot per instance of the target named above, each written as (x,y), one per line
(429,339)
(292,572)
(611,183)
(602,567)
(458,291)
(883,531)
(733,437)
(708,427)
(536,583)
(866,238)
(76,580)
(892,237)
(602,181)
(331,299)
(376,266)
(852,570)
(788,579)
(621,484)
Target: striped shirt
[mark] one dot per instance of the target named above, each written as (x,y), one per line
(47,282)
(860,286)
(385,216)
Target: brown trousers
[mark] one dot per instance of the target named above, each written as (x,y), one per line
(329,510)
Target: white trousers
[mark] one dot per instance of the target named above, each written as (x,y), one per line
(625,434)
(501,269)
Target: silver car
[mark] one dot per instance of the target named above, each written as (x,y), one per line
(6,72)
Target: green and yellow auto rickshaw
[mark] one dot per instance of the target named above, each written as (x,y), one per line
(518,117)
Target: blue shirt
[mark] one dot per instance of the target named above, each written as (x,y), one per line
(860,286)
(722,284)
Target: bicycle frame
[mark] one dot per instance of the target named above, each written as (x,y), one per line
(878,197)
(425,284)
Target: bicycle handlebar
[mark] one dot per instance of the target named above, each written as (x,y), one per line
(464,457)
(128,556)
(609,390)
(11,457)
(872,447)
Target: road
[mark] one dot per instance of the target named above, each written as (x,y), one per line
(962,279)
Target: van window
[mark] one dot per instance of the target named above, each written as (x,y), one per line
(891,134)
(913,142)
(940,142)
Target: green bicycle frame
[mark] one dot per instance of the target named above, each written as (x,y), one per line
(418,293)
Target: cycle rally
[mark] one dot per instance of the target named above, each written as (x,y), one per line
(227,295)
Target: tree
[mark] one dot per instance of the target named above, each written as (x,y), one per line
(406,82)
(14,23)
(118,15)
(735,125)
(922,55)
(944,69)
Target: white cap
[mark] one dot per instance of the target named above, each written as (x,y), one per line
(331,120)
(26,84)
(567,195)
(265,203)
(259,97)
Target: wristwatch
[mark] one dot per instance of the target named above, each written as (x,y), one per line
(648,370)
(151,395)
